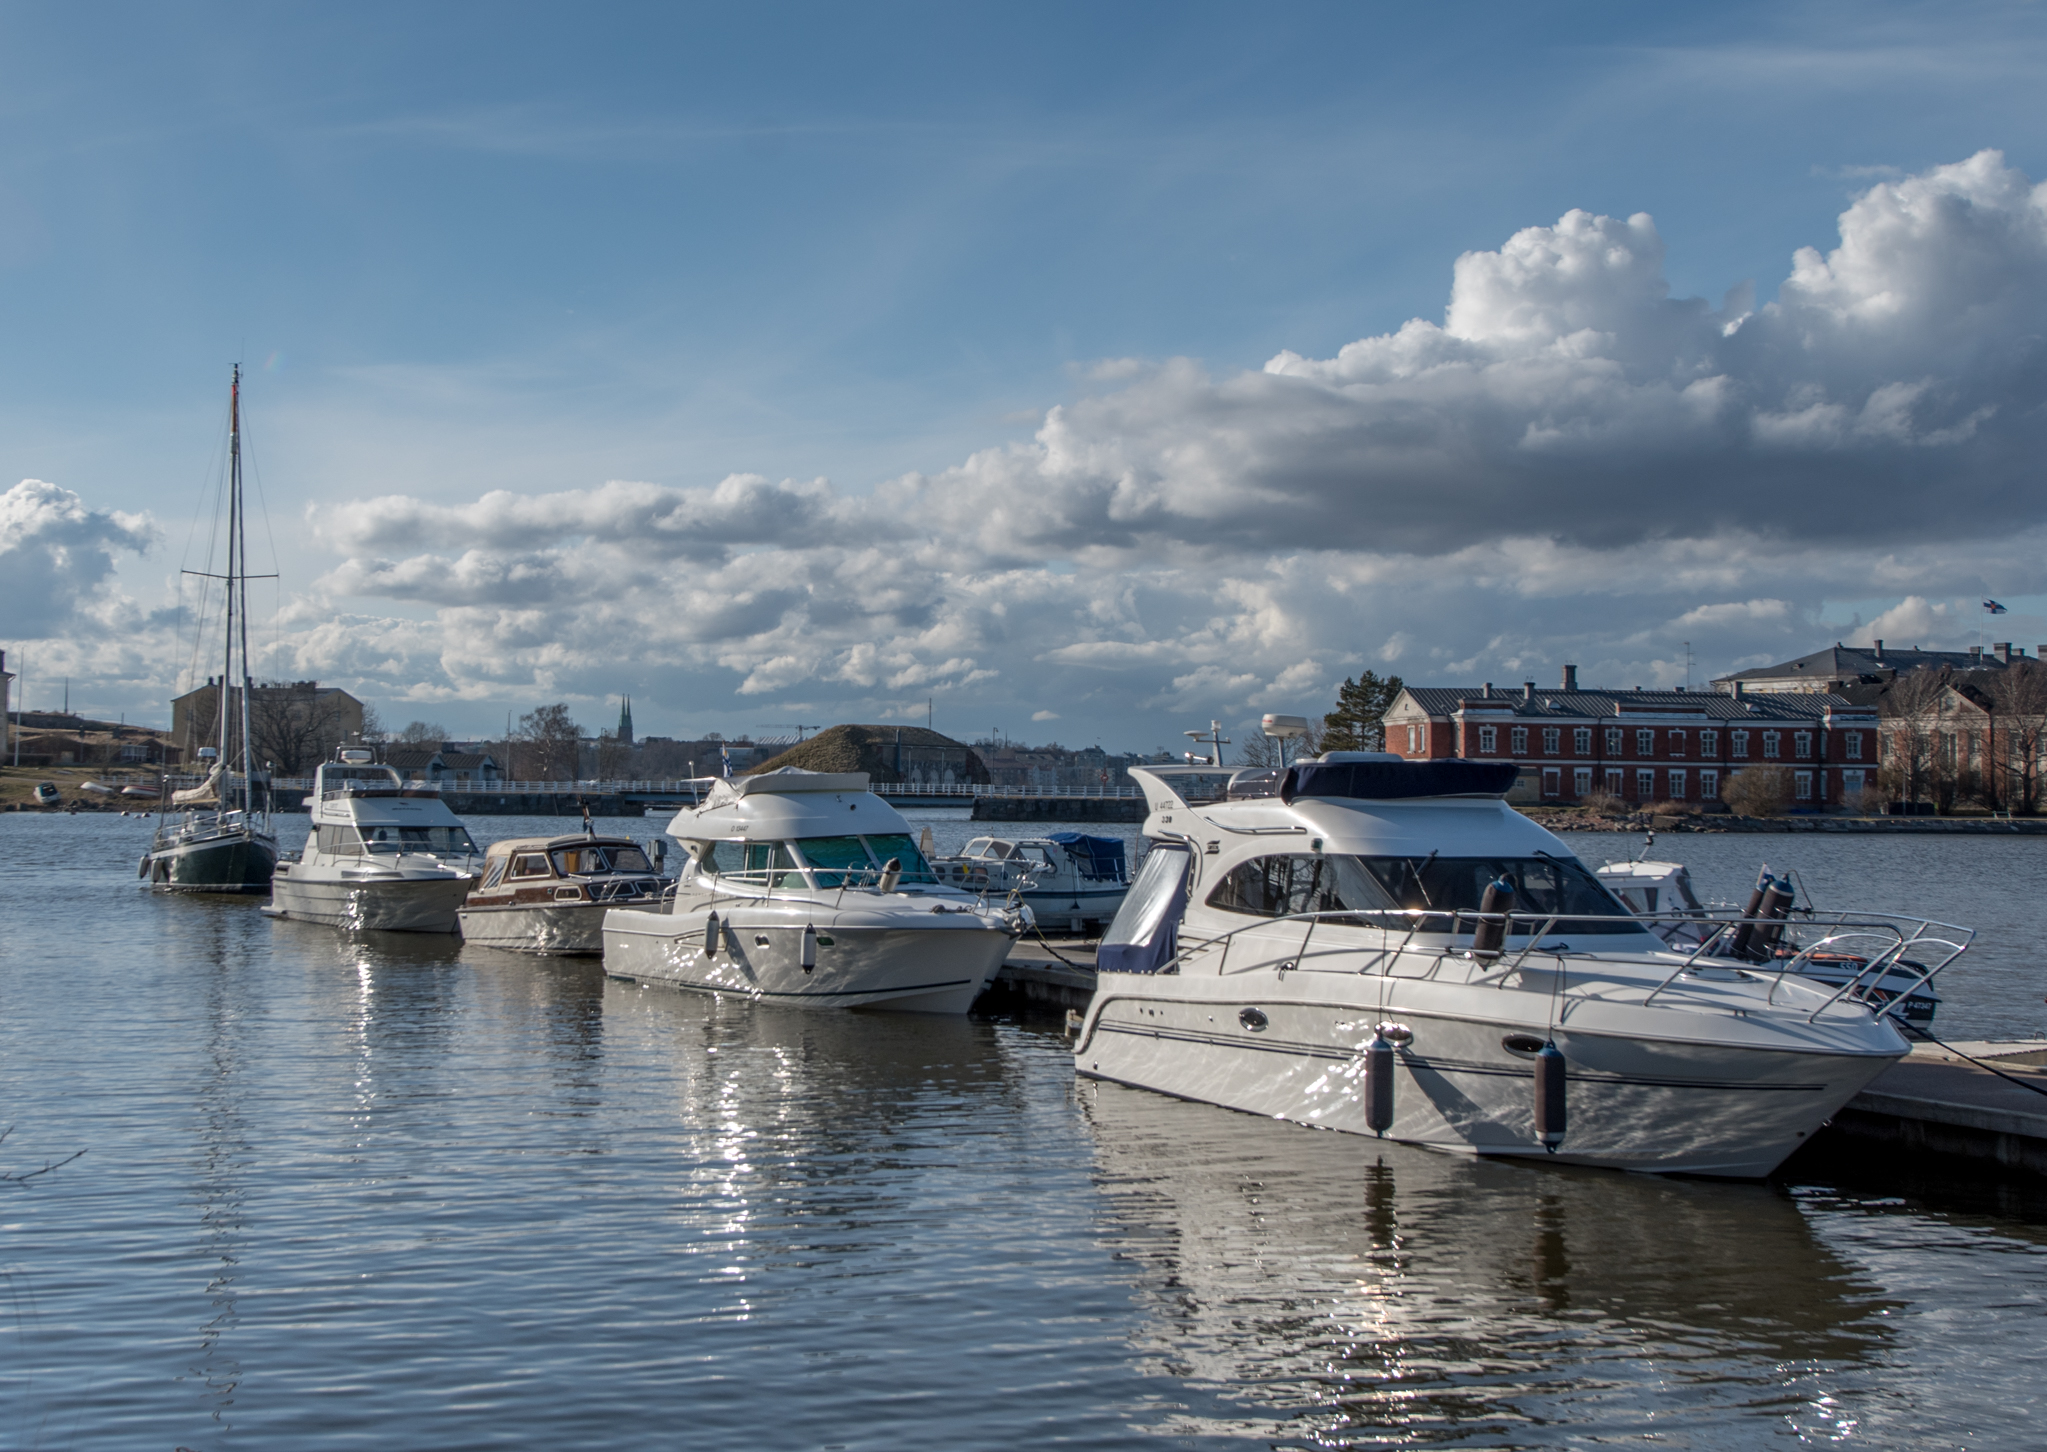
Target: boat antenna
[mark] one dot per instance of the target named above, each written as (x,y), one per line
(1648,841)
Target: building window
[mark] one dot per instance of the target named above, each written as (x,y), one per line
(1613,780)
(1677,743)
(1549,781)
(1709,742)
(1851,783)
(1773,742)
(1738,742)
(1613,741)
(1488,738)
(1709,786)
(1677,784)
(1552,740)
(1801,784)
(1645,743)
(1801,743)
(1645,786)
(1852,743)
(1581,741)
(1521,741)
(1581,781)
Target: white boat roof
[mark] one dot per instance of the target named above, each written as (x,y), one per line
(790,802)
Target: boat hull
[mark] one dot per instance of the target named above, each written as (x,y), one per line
(413,905)
(570,930)
(937,968)
(238,862)
(1291,1047)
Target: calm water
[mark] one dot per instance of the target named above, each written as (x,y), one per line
(391,1192)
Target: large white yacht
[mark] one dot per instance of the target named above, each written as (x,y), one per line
(806,888)
(382,855)
(1386,947)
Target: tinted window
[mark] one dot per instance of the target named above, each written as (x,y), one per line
(844,853)
(1545,885)
(1298,883)
(900,847)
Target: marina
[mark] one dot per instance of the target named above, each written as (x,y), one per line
(300,1141)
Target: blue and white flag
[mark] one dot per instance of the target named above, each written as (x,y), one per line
(1993,607)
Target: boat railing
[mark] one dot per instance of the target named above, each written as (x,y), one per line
(1892,934)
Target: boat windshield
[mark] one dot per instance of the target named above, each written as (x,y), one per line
(857,861)
(589,861)
(441,841)
(1423,891)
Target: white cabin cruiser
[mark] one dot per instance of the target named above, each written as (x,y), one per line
(1386,947)
(550,894)
(1069,879)
(806,888)
(382,855)
(1662,892)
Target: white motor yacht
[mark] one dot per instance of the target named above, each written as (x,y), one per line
(1385,947)
(382,855)
(806,888)
(1069,879)
(550,894)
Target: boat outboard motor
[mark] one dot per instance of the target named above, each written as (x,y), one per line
(1776,903)
(1550,1110)
(1744,935)
(1490,936)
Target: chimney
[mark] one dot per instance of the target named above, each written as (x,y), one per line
(1975,655)
(1740,690)
(1879,650)
(1528,693)
(2002,650)
(1488,690)
(1570,678)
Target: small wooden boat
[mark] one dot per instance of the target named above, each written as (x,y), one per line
(550,894)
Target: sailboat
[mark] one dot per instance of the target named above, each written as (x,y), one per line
(219,842)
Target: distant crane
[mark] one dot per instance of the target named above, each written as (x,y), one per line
(797,726)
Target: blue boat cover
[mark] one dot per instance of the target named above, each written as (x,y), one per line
(1103,856)
(1381,781)
(1146,932)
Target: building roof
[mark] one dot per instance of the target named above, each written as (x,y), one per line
(402,756)
(1850,662)
(1582,704)
(460,759)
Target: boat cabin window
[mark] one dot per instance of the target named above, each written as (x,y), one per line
(589,861)
(530,864)
(336,841)
(494,871)
(852,861)
(443,841)
(1396,892)
(761,864)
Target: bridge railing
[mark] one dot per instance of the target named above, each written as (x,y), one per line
(965,791)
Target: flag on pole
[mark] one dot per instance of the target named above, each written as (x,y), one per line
(1993,608)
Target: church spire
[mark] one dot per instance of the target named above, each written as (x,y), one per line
(625,721)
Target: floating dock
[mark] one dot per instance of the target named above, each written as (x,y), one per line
(1937,1102)
(1043,975)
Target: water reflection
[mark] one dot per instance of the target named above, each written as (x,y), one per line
(1320,1289)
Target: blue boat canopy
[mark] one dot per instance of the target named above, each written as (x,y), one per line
(1102,857)
(1380,781)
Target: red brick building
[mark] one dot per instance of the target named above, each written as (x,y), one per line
(1643,746)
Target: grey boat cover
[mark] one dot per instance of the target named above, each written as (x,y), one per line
(1146,932)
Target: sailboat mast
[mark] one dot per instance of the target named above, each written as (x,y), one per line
(227,668)
(239,582)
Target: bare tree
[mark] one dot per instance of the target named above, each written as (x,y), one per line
(2018,726)
(1273,751)
(550,744)
(1910,737)
(613,756)
(420,733)
(1757,791)
(295,726)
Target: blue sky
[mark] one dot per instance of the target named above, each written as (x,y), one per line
(466,249)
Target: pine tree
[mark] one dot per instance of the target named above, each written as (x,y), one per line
(1361,705)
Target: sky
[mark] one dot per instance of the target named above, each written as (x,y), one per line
(1079,373)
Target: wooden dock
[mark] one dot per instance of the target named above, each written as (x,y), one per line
(1043,976)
